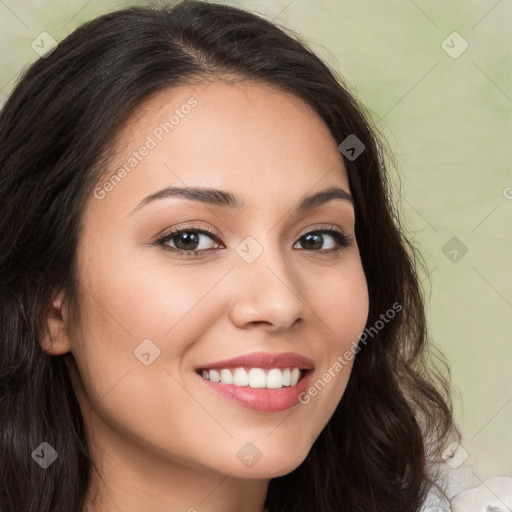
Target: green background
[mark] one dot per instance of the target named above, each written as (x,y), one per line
(448,122)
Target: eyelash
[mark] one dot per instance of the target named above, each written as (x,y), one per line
(342,239)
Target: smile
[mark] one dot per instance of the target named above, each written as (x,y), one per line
(273,378)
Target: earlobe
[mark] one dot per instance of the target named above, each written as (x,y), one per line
(55,340)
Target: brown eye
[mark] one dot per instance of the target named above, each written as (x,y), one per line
(314,240)
(188,239)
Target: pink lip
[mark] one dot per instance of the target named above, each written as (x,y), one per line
(263,360)
(262,399)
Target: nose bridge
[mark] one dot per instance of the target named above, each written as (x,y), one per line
(266,287)
(262,255)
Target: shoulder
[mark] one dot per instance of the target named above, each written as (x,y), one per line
(493,494)
(450,480)
(436,502)
(464,491)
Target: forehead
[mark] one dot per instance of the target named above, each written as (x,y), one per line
(247,137)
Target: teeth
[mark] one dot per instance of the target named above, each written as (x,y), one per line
(226,377)
(214,376)
(257,378)
(274,378)
(240,378)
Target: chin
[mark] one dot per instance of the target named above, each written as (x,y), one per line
(277,463)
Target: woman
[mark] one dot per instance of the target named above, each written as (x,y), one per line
(207,300)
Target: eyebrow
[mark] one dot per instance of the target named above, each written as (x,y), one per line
(226,199)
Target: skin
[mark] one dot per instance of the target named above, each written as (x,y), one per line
(161,440)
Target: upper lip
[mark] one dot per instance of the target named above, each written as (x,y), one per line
(263,360)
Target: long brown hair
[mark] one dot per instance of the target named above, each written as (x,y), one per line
(395,416)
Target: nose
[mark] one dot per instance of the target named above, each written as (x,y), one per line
(266,293)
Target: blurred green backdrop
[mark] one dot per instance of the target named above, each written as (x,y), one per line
(446,112)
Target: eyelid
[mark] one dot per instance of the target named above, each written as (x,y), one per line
(343,239)
(314,228)
(189,227)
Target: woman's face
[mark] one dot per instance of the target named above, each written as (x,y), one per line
(154,316)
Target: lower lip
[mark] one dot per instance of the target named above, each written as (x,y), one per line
(261,399)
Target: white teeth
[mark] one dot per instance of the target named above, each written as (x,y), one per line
(226,377)
(240,378)
(214,376)
(257,378)
(274,378)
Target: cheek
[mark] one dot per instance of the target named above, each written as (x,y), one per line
(144,297)
(341,302)
(348,320)
(140,310)
(132,311)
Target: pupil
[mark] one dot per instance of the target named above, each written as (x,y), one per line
(316,239)
(189,238)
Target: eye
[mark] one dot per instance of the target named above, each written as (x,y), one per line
(188,240)
(191,241)
(314,240)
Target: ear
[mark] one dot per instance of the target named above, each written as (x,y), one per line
(55,340)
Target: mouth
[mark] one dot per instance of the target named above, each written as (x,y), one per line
(259,381)
(258,370)
(273,378)
(263,390)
